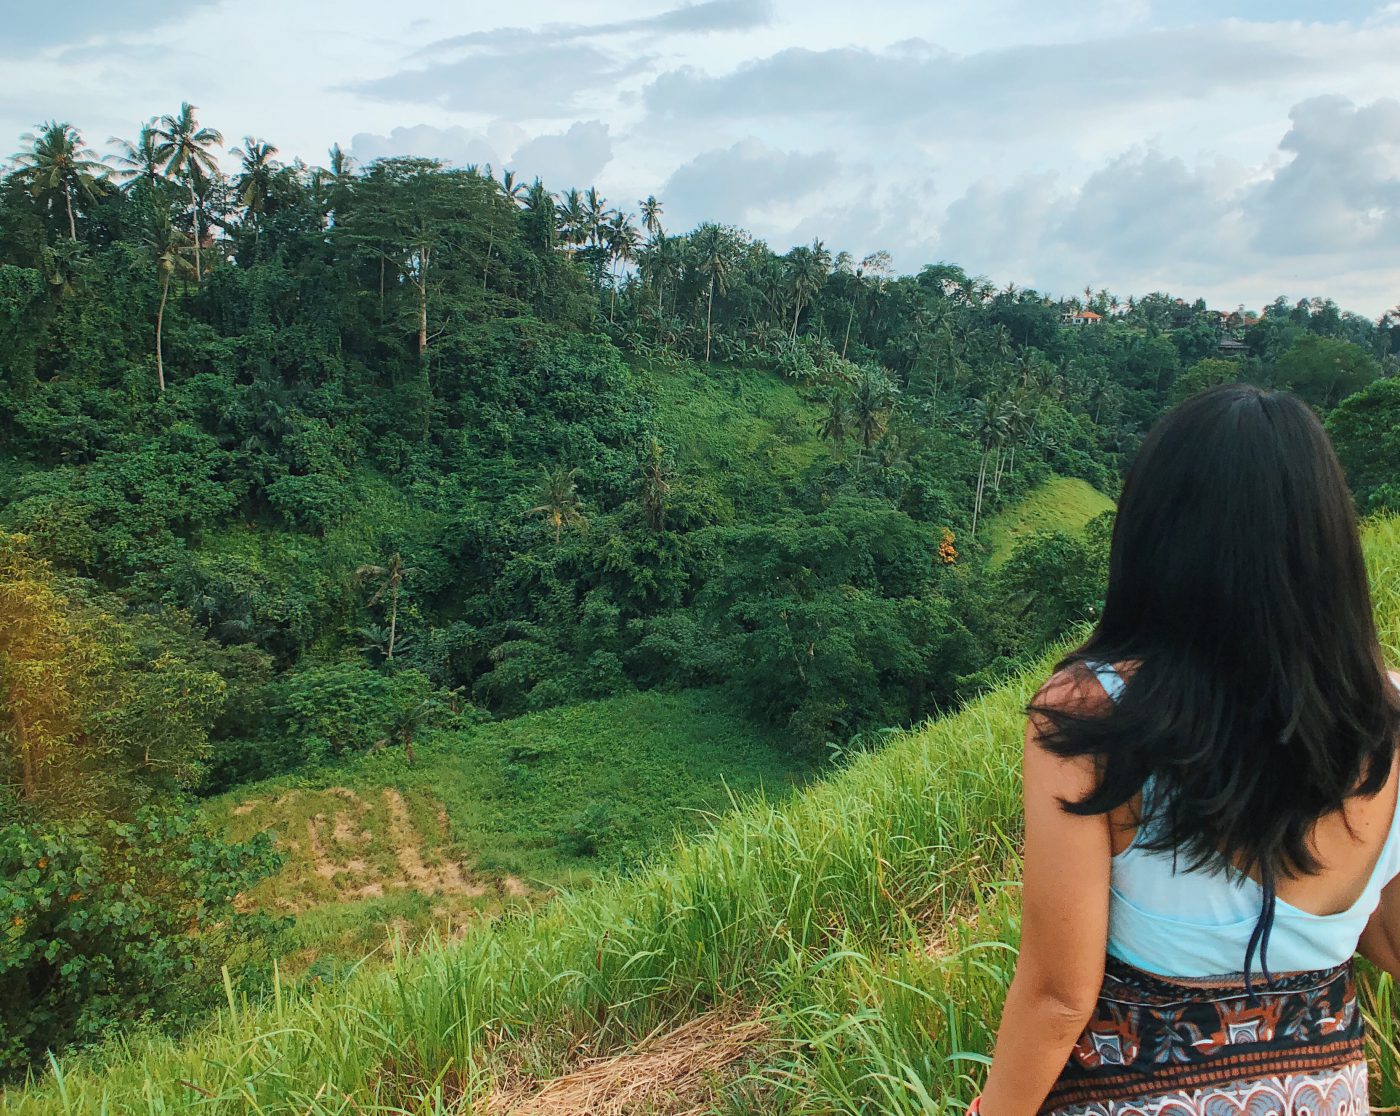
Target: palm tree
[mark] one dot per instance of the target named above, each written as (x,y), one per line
(57,165)
(391,582)
(513,190)
(185,149)
(711,262)
(62,264)
(836,424)
(990,427)
(651,216)
(810,267)
(870,405)
(573,219)
(622,242)
(559,501)
(166,245)
(342,166)
(254,185)
(877,266)
(139,161)
(595,215)
(329,183)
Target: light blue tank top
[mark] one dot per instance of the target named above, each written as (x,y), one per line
(1179,923)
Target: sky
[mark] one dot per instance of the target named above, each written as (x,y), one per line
(1235,151)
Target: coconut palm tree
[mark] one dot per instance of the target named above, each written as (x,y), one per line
(990,429)
(559,501)
(810,267)
(139,161)
(58,166)
(713,263)
(185,148)
(514,191)
(622,242)
(573,220)
(166,245)
(254,184)
(836,423)
(651,216)
(595,208)
(871,404)
(391,579)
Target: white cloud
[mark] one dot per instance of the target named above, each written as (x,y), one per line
(572,158)
(734,183)
(1235,148)
(454,145)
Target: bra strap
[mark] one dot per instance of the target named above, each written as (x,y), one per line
(1111,681)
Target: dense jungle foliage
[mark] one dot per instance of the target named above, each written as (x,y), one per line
(298,462)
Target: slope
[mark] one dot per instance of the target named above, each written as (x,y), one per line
(1058,504)
(488,817)
(866,922)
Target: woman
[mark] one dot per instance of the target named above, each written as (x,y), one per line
(1210,794)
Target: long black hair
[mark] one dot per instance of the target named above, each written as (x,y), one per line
(1259,701)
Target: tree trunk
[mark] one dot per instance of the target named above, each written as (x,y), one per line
(68,201)
(847,339)
(393,622)
(709,310)
(796,313)
(422,318)
(490,247)
(981,484)
(160,323)
(194,207)
(381,288)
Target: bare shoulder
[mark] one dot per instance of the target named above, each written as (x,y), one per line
(1074,689)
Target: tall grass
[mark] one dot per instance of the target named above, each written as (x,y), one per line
(870,918)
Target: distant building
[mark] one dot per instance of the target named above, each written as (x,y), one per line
(1080,318)
(1229,347)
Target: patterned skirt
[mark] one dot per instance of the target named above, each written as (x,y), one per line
(1158,1047)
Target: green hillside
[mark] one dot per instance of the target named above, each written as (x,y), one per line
(844,951)
(494,817)
(384,548)
(749,433)
(1058,504)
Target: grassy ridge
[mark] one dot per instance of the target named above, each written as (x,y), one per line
(869,917)
(1058,504)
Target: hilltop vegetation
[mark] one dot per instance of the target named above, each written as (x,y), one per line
(327,475)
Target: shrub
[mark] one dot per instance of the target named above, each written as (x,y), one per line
(108,921)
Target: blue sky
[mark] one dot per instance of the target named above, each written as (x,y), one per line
(1235,151)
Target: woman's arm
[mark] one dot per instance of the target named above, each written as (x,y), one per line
(1064,929)
(1380,941)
